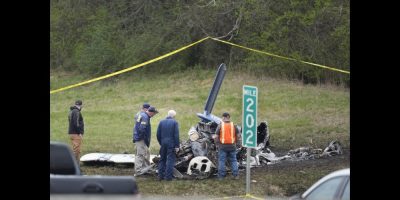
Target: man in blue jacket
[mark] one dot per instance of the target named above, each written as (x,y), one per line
(141,138)
(168,138)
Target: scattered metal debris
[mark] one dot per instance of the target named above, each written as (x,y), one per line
(197,157)
(334,148)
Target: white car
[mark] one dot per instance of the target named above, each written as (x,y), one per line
(334,186)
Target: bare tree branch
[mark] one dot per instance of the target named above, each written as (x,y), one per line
(235,28)
(212,1)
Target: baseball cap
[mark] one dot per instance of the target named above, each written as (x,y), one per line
(225,114)
(146,105)
(78,102)
(152,109)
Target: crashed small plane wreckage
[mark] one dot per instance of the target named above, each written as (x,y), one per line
(197,157)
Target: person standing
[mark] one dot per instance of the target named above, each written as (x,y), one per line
(168,138)
(145,107)
(227,135)
(76,128)
(142,138)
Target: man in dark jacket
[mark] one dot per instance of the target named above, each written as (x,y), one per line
(168,138)
(142,138)
(76,128)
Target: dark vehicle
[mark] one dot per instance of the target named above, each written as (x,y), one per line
(66,179)
(62,160)
(334,186)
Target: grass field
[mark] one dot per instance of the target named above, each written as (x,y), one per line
(297,114)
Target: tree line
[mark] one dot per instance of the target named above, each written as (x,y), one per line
(102,36)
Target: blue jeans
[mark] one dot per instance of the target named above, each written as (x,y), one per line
(222,155)
(167,162)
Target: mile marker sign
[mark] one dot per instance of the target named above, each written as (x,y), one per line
(249,120)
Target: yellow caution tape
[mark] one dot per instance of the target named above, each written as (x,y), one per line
(253,197)
(228,197)
(270,54)
(241,196)
(130,68)
(183,48)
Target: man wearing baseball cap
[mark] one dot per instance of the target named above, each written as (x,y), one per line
(142,138)
(226,140)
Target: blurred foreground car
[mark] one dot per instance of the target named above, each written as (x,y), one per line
(67,181)
(334,186)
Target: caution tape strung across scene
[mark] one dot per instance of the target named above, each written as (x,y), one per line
(128,69)
(292,59)
(247,196)
(184,48)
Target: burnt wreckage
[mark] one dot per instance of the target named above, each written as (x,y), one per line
(198,156)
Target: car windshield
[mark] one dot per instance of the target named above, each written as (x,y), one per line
(327,190)
(346,193)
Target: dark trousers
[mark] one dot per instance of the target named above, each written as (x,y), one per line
(167,162)
(231,155)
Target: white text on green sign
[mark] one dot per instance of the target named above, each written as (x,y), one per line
(249,120)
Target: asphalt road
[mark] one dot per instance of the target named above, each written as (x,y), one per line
(152,197)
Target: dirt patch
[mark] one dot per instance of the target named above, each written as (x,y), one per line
(293,177)
(321,163)
(282,179)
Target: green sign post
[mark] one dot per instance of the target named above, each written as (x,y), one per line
(249,124)
(249,119)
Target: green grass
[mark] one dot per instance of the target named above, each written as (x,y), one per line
(298,115)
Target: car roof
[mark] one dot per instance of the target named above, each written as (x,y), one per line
(338,173)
